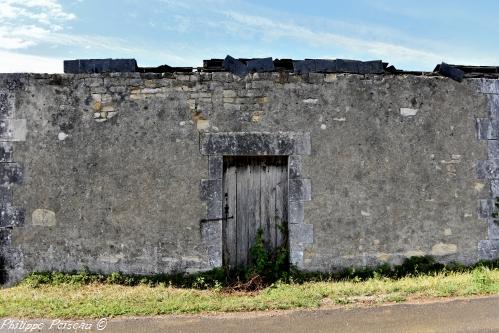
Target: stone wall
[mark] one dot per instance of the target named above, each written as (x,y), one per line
(112,167)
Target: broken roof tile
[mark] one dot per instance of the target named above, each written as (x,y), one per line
(451,72)
(99,66)
(243,66)
(260,65)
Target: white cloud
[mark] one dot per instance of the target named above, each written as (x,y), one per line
(26,23)
(11,43)
(395,52)
(13,62)
(273,29)
(23,23)
(43,11)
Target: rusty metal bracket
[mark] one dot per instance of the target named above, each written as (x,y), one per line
(216,219)
(226,212)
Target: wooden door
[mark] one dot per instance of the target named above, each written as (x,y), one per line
(256,188)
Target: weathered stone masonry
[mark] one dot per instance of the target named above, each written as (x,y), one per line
(118,169)
(11,174)
(487,129)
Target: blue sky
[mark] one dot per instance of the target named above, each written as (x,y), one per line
(36,35)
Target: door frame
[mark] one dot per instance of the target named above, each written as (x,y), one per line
(255,197)
(292,144)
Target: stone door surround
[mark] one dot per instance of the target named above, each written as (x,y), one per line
(291,144)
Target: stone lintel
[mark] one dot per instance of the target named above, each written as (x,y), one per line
(255,143)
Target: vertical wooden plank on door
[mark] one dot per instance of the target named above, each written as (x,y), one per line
(253,202)
(285,210)
(243,210)
(266,192)
(272,201)
(230,226)
(281,200)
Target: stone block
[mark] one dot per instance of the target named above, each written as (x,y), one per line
(296,257)
(229,94)
(488,86)
(487,169)
(10,173)
(11,216)
(5,152)
(211,235)
(202,124)
(302,145)
(494,188)
(300,234)
(300,190)
(493,149)
(487,129)
(408,112)
(214,209)
(295,163)
(5,196)
(443,249)
(43,217)
(215,166)
(296,212)
(222,77)
(13,130)
(486,208)
(493,229)
(488,249)
(315,78)
(211,190)
(493,104)
(7,104)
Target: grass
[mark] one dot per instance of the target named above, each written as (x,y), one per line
(91,299)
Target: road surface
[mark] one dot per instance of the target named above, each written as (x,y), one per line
(461,315)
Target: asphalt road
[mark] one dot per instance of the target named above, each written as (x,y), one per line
(464,315)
